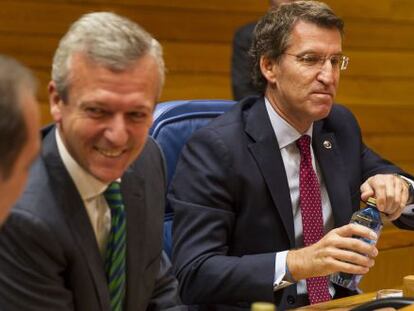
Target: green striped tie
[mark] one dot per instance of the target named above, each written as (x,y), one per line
(116,248)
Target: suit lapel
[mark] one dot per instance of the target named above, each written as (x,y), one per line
(76,216)
(265,150)
(133,194)
(333,171)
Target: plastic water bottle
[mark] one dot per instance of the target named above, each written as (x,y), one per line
(369,217)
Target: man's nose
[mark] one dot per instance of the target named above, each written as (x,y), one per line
(328,73)
(116,131)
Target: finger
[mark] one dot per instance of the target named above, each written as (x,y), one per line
(354,258)
(366,190)
(393,216)
(400,187)
(403,187)
(353,229)
(380,186)
(360,246)
(397,196)
(345,239)
(392,193)
(349,267)
(405,193)
(329,260)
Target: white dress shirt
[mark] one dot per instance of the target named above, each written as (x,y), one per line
(286,137)
(91,191)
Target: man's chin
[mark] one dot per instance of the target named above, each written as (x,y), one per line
(323,112)
(106,174)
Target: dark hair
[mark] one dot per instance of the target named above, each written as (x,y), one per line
(13,130)
(272,32)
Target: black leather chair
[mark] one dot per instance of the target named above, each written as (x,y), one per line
(392,302)
(174,122)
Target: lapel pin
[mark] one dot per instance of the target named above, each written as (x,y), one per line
(327,144)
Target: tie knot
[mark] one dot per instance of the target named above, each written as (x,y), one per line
(303,144)
(113,195)
(113,187)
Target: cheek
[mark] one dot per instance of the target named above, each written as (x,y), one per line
(139,137)
(296,84)
(83,132)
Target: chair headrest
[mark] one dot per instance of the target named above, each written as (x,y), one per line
(175,121)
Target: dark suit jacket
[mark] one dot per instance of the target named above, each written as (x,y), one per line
(241,64)
(49,258)
(232,202)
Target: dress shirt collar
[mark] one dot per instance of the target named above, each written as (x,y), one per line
(285,133)
(88,186)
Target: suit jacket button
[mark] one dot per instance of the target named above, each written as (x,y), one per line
(290,299)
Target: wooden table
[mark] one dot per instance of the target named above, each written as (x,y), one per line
(342,303)
(353,301)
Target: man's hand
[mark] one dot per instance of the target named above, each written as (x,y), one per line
(337,251)
(390,191)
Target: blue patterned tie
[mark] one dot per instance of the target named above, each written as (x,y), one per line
(116,248)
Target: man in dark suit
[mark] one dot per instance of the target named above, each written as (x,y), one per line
(241,78)
(19,130)
(70,243)
(248,197)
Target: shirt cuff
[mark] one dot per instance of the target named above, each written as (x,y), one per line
(280,271)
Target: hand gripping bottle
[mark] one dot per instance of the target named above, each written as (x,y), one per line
(369,217)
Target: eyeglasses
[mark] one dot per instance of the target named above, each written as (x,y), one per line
(317,61)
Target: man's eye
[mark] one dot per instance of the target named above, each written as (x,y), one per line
(310,59)
(94,112)
(137,116)
(335,60)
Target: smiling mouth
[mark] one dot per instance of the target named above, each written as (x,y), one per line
(110,153)
(323,93)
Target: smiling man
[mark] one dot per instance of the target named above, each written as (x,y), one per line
(263,195)
(87,233)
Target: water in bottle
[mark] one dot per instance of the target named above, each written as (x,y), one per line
(369,217)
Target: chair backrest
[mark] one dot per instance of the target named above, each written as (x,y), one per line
(174,122)
(391,302)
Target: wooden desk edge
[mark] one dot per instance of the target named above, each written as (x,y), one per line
(342,303)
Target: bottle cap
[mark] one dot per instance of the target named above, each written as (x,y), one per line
(372,201)
(263,306)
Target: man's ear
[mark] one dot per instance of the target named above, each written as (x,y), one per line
(55,102)
(269,69)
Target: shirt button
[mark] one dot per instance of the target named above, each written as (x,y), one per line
(290,299)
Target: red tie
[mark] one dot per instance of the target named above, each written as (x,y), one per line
(312,220)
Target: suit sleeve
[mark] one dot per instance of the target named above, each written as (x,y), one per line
(165,293)
(165,296)
(204,198)
(372,164)
(31,264)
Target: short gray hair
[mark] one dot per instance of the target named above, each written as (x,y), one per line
(15,79)
(272,32)
(108,39)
